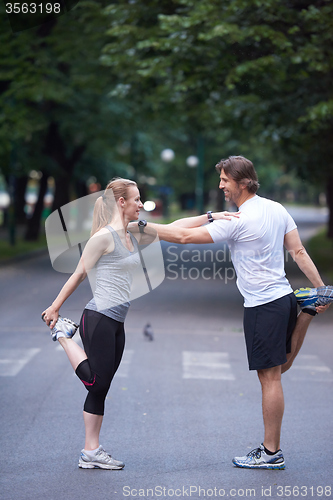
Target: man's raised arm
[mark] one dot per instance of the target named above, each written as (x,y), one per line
(182,235)
(189,229)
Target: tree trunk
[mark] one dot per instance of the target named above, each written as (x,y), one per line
(21,186)
(61,190)
(55,147)
(330,206)
(33,227)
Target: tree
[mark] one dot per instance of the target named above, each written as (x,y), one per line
(57,116)
(263,66)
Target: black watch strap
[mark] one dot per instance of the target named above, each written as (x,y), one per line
(142,224)
(210,217)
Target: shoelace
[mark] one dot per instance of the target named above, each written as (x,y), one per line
(255,453)
(104,455)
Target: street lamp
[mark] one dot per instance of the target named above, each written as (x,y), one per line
(167,155)
(192,161)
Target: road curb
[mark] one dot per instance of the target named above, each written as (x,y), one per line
(23,257)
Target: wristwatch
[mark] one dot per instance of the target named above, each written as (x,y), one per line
(142,224)
(210,217)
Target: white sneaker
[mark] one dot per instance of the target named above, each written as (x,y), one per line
(99,460)
(259,459)
(64,327)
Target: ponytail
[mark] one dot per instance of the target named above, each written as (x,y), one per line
(251,184)
(106,204)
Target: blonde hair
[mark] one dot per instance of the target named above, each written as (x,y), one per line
(105,204)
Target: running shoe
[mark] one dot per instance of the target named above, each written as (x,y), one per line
(99,460)
(64,327)
(258,459)
(310,298)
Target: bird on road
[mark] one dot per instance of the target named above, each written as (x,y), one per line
(148,332)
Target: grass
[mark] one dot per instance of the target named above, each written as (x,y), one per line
(320,248)
(21,247)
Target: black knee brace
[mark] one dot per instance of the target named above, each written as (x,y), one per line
(83,371)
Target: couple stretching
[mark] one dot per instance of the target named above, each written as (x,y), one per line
(256,236)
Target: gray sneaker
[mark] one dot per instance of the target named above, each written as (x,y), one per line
(99,460)
(258,459)
(64,327)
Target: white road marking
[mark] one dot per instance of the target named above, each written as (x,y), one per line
(310,367)
(207,365)
(13,360)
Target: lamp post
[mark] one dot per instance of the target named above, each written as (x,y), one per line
(167,155)
(200,176)
(198,163)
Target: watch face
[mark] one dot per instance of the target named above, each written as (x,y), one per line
(142,223)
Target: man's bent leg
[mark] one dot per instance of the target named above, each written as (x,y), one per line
(297,338)
(272,406)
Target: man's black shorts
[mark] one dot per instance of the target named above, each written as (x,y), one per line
(268,330)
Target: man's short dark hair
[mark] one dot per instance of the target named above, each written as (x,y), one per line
(241,170)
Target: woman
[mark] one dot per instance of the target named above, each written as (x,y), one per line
(114,253)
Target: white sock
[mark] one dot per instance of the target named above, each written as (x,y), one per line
(92,452)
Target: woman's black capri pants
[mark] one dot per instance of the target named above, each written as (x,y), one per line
(103,340)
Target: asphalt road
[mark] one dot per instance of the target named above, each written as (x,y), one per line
(180,406)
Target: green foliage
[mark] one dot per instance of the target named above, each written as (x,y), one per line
(320,249)
(261,66)
(113,83)
(51,76)
(22,247)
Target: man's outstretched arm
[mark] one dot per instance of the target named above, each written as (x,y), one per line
(200,220)
(182,235)
(189,229)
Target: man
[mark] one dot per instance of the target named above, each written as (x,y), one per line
(273,333)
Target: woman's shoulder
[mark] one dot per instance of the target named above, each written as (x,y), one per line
(103,238)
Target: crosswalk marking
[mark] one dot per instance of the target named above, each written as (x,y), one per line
(310,367)
(195,364)
(207,365)
(13,360)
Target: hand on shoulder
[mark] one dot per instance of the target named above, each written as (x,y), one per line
(225,215)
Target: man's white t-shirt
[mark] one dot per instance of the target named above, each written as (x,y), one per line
(256,246)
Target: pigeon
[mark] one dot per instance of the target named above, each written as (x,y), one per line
(148,332)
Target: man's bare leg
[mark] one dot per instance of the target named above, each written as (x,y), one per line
(272,406)
(298,336)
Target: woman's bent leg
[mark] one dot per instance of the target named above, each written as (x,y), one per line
(74,352)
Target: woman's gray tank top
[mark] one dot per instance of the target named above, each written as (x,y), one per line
(114,278)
